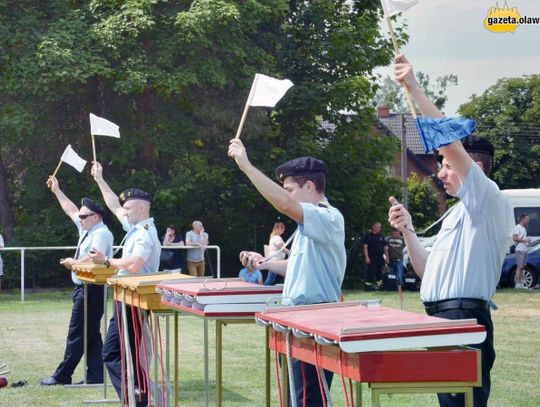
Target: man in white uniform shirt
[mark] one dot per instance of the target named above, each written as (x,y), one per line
(460,274)
(93,233)
(141,252)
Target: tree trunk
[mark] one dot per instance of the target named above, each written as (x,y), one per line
(6,216)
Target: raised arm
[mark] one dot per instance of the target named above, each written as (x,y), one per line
(270,190)
(454,153)
(110,198)
(67,205)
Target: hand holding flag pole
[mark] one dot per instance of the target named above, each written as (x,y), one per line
(72,158)
(391,8)
(265,91)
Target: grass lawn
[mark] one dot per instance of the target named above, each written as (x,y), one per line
(32,337)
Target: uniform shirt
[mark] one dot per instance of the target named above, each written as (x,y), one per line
(99,237)
(254,277)
(142,240)
(395,248)
(195,255)
(521,232)
(375,244)
(465,260)
(317,258)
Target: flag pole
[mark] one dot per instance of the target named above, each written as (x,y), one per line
(94,147)
(57,168)
(397,51)
(242,120)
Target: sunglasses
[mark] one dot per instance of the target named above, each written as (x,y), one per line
(82,217)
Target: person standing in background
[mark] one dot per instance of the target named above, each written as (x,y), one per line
(172,260)
(1,261)
(396,244)
(274,245)
(375,254)
(521,240)
(195,257)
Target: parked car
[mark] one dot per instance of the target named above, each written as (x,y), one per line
(531,271)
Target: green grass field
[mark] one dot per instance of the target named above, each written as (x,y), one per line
(32,337)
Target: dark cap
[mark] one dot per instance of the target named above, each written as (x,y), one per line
(474,144)
(300,166)
(93,206)
(134,193)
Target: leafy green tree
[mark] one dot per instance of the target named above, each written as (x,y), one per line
(508,114)
(175,77)
(423,203)
(390,92)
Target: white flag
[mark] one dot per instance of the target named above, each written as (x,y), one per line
(72,158)
(103,127)
(267,91)
(393,7)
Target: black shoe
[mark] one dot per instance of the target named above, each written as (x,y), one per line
(88,382)
(51,381)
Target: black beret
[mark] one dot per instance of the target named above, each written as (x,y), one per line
(134,193)
(474,144)
(300,166)
(93,206)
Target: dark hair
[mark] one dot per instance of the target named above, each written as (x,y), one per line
(485,159)
(318,179)
(522,216)
(172,227)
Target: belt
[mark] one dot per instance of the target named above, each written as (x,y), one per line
(432,307)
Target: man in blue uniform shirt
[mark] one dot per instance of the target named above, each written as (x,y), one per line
(316,266)
(460,274)
(92,233)
(141,252)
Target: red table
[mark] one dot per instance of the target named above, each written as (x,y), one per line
(226,301)
(394,351)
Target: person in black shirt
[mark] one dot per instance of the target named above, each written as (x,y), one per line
(375,255)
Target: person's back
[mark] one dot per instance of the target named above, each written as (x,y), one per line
(250,276)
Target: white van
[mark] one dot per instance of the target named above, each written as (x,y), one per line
(526,201)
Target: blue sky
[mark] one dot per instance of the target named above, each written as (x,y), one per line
(448,36)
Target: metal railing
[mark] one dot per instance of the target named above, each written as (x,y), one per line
(23,251)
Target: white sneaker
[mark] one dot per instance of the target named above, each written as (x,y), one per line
(518,286)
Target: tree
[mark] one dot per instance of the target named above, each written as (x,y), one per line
(390,92)
(423,203)
(508,114)
(175,77)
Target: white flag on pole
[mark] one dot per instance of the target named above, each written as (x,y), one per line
(267,91)
(103,127)
(72,158)
(393,7)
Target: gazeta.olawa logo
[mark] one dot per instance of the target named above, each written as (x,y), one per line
(506,19)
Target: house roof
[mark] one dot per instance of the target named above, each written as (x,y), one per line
(392,123)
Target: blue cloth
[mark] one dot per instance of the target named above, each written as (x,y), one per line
(317,259)
(254,277)
(436,133)
(142,240)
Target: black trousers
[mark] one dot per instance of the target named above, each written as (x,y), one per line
(481,394)
(75,339)
(312,388)
(112,352)
(374,268)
